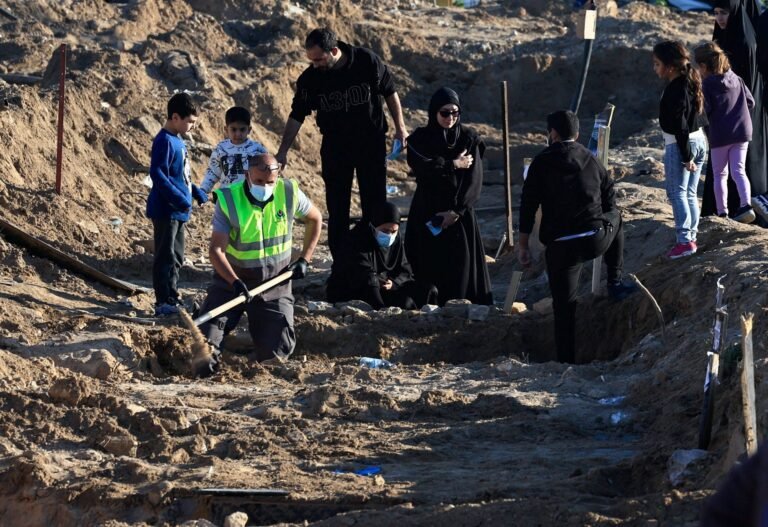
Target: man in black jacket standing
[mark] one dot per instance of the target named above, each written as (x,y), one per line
(344,84)
(579,222)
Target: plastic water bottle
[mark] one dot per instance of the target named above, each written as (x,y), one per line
(370,362)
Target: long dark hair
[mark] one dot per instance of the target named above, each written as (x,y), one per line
(673,53)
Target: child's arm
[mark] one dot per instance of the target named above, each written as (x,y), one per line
(213,173)
(160,170)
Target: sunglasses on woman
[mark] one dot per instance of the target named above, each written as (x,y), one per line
(449,113)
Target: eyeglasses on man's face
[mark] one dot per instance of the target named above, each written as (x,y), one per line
(269,168)
(449,113)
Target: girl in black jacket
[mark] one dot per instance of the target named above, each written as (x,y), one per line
(682,120)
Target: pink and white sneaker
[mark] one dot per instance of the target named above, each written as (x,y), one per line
(681,250)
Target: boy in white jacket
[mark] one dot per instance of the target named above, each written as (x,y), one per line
(229,161)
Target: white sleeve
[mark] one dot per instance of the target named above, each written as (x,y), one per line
(213,174)
(303,206)
(256,148)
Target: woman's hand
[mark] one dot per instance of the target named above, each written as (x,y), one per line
(387,285)
(463,161)
(690,166)
(449,218)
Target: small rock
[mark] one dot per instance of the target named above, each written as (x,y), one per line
(543,306)
(458,308)
(430,309)
(180,457)
(478,312)
(319,305)
(357,304)
(181,69)
(70,391)
(378,480)
(609,8)
(351,310)
(392,311)
(124,445)
(156,492)
(236,519)
(89,455)
(517,308)
(96,363)
(146,123)
(198,523)
(679,461)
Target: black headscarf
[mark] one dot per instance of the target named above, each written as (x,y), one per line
(738,39)
(440,98)
(387,212)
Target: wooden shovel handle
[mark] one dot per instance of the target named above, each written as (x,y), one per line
(279,279)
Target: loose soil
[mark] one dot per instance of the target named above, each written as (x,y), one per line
(476,425)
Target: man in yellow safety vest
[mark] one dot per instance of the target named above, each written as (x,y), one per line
(251,243)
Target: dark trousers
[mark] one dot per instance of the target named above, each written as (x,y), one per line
(270,323)
(564,262)
(410,295)
(169,257)
(342,159)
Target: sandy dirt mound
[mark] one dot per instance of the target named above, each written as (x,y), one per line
(100,423)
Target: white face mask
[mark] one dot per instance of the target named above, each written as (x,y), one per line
(262,192)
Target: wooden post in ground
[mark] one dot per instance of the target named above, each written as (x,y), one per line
(514,285)
(507,172)
(60,130)
(748,384)
(603,137)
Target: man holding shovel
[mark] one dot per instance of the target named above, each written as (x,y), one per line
(250,244)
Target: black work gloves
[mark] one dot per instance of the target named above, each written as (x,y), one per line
(242,290)
(299,268)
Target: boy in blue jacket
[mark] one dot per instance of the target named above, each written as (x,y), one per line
(170,201)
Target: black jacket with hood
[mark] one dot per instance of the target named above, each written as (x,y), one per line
(573,189)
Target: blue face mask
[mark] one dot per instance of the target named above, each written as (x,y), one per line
(262,192)
(385,239)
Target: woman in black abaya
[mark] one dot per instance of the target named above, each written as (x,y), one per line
(446,159)
(738,41)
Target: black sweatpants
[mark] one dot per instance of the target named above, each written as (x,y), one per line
(270,323)
(564,262)
(342,159)
(169,257)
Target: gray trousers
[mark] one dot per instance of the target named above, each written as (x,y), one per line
(269,323)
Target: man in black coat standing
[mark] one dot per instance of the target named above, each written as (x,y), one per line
(345,85)
(579,222)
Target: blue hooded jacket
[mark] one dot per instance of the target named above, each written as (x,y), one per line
(172,188)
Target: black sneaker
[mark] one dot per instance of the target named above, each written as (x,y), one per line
(745,214)
(621,290)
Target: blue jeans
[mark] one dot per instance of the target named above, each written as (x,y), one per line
(682,187)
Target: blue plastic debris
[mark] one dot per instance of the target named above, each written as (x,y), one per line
(367,471)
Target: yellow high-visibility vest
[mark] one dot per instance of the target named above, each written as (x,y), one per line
(259,237)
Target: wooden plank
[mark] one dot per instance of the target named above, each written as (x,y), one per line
(507,171)
(597,268)
(748,384)
(17,235)
(514,285)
